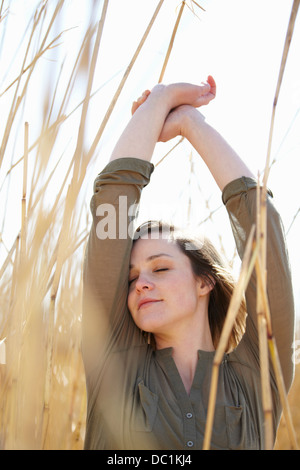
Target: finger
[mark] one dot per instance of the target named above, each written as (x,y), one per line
(205,99)
(205,88)
(134,107)
(140,101)
(212,83)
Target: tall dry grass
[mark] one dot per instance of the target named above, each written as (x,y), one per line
(42,394)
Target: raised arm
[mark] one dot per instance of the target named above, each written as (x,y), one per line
(238,187)
(117,192)
(223,162)
(239,198)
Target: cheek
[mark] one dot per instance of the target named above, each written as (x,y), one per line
(184,293)
(130,299)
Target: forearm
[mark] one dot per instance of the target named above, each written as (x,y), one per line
(142,132)
(223,162)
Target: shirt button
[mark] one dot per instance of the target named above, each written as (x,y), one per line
(190,443)
(189,415)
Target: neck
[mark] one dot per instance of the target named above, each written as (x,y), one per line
(186,345)
(184,337)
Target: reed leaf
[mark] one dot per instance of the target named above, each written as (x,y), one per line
(171,42)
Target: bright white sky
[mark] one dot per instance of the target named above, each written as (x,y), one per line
(239,42)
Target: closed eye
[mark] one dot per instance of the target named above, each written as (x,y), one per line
(155,270)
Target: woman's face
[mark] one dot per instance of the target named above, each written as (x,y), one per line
(163,294)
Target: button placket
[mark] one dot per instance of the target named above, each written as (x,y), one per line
(189,428)
(183,401)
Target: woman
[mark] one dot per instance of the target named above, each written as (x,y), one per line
(154,394)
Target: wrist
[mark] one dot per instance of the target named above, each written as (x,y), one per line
(192,121)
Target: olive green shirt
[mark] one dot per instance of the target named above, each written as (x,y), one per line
(136,398)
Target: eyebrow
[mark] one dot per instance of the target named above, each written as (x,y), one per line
(152,257)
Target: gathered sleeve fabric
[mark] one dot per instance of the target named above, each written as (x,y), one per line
(239,198)
(106,320)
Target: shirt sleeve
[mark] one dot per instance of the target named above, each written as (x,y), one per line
(239,198)
(106,320)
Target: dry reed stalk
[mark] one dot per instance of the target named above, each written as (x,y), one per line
(32,307)
(265,381)
(16,419)
(24,209)
(74,389)
(276,364)
(271,345)
(170,47)
(47,48)
(283,396)
(12,378)
(17,100)
(69,86)
(15,384)
(122,83)
(167,57)
(67,364)
(75,444)
(261,273)
(2,16)
(171,42)
(266,340)
(197,4)
(8,258)
(52,130)
(161,160)
(286,48)
(264,320)
(86,101)
(294,218)
(49,130)
(246,269)
(63,240)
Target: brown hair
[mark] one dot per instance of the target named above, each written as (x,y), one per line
(206,263)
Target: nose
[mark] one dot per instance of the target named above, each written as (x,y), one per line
(143,283)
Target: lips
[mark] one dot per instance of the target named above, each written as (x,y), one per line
(145,302)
